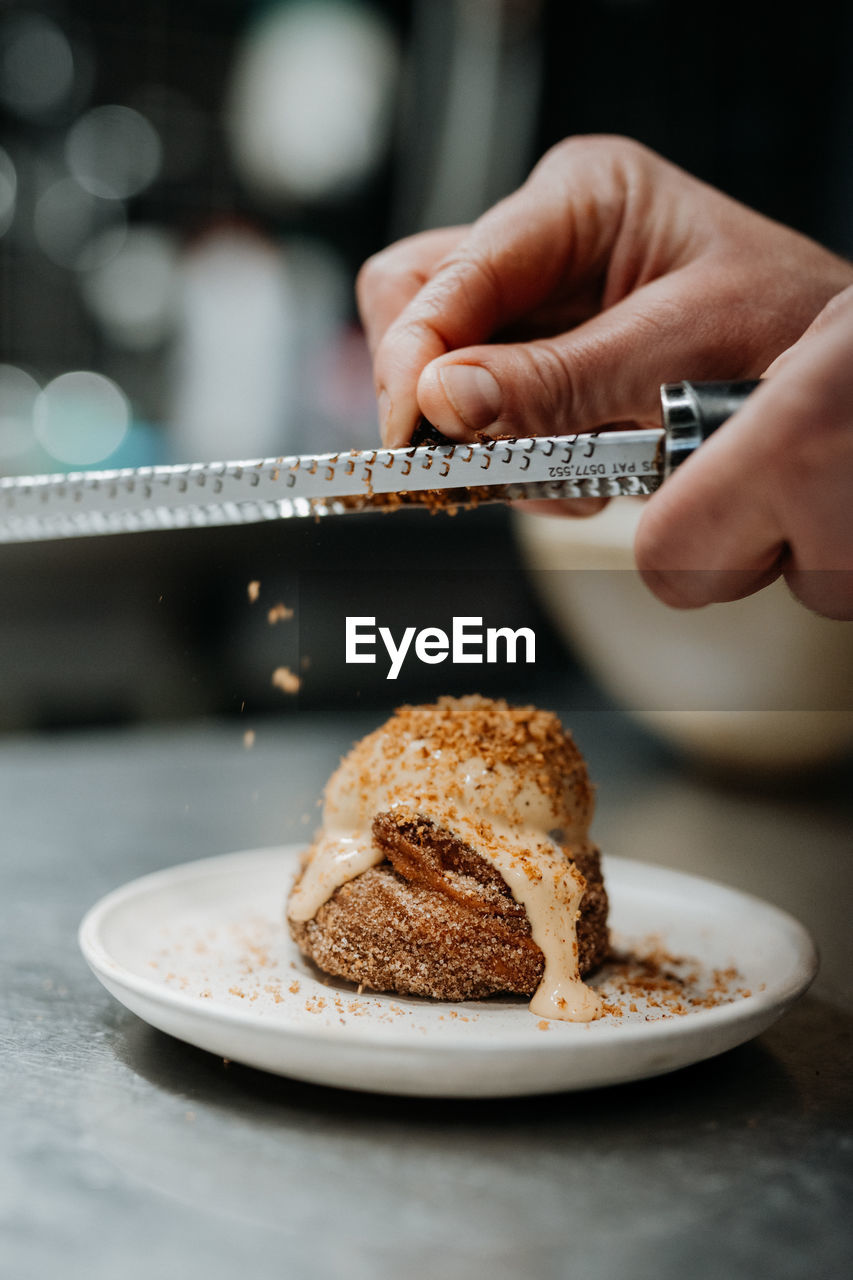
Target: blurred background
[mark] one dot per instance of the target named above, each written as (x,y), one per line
(186,194)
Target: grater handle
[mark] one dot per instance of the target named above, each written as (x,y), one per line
(692,411)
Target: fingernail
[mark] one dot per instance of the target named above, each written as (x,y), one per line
(473,392)
(383,404)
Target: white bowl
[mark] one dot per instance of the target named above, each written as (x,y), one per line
(759,683)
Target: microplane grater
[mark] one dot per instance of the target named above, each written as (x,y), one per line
(597,464)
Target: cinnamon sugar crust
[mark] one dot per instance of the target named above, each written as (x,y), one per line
(455,841)
(435,919)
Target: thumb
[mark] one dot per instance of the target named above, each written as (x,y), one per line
(607,370)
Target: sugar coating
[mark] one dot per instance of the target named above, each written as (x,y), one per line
(454,859)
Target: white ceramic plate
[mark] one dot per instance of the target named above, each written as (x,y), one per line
(200,951)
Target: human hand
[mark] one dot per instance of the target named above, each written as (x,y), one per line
(771,492)
(565,306)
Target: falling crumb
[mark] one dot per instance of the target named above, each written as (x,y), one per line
(305,661)
(543,1025)
(279,613)
(293,988)
(283,678)
(249,739)
(253,590)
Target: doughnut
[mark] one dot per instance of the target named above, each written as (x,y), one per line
(454,861)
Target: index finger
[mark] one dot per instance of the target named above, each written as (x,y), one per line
(549,233)
(390,279)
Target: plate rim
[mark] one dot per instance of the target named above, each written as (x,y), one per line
(748,1008)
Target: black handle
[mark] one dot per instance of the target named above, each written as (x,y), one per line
(691,411)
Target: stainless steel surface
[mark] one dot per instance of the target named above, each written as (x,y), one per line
(220,493)
(692,411)
(126,1153)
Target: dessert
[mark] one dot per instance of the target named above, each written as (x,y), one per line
(454,861)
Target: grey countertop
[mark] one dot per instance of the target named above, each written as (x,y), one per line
(128,1154)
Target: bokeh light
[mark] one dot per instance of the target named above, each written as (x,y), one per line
(36,65)
(311,99)
(132,292)
(80,418)
(69,224)
(18,393)
(113,152)
(233,376)
(8,191)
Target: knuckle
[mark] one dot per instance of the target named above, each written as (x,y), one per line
(409,330)
(466,291)
(559,158)
(368,277)
(548,380)
(557,154)
(669,587)
(611,147)
(388,268)
(410,342)
(659,553)
(477,277)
